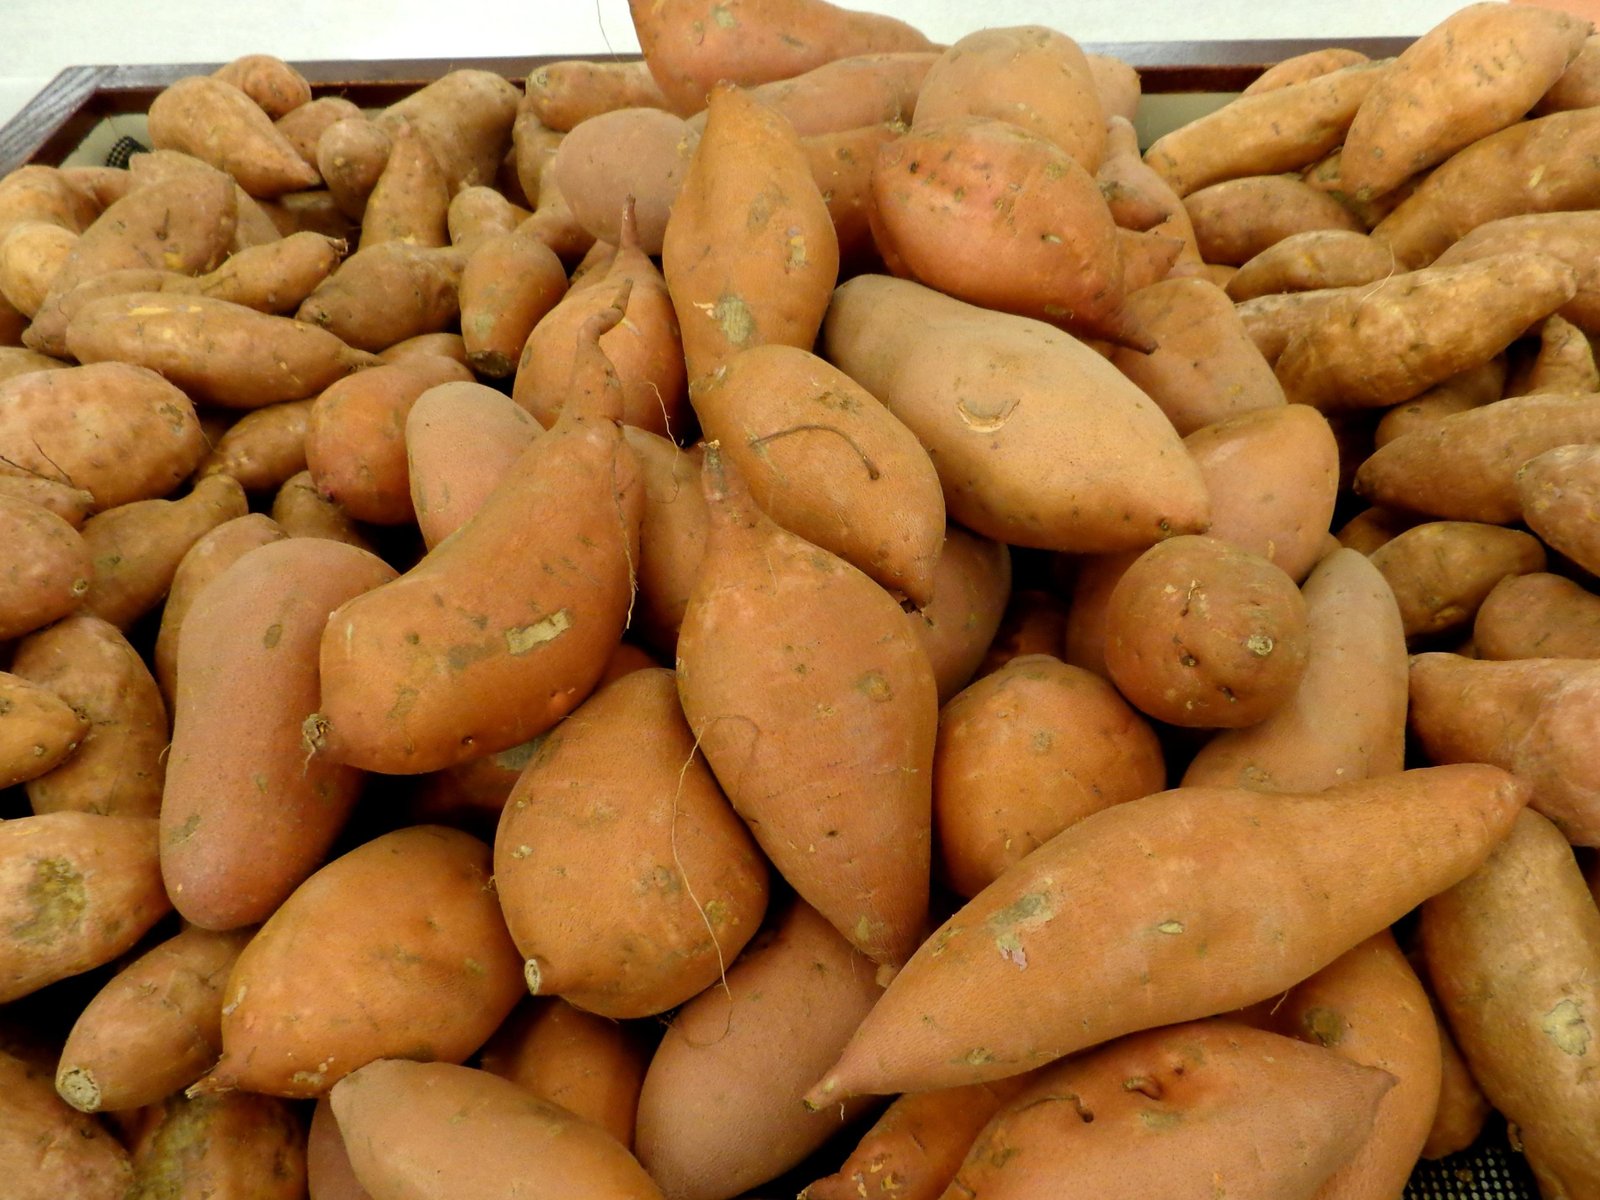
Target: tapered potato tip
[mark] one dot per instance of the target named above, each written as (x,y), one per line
(595,392)
(727,495)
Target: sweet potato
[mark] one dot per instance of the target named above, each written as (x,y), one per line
(136,548)
(433,1131)
(225,353)
(328,1169)
(565,94)
(1564,362)
(860,485)
(994,981)
(17,360)
(219,124)
(276,87)
(1347,719)
(1369,1008)
(251,1147)
(1463,1110)
(841,165)
(302,511)
(621,783)
(1442,571)
(154,1028)
(120,764)
(1472,388)
(1318,258)
(1034,622)
(1272,476)
(1023,422)
(1475,72)
(999,216)
(508,285)
(1562,235)
(1302,67)
(645,348)
(49,1150)
(720,1108)
(264,448)
(1514,953)
(588,1065)
(427,345)
(1464,466)
(1536,166)
(1274,321)
(1535,716)
(1202,634)
(1386,343)
(48,569)
(481,211)
(672,536)
(253,226)
(409,201)
(916,1147)
(304,124)
(355,439)
(1208,1107)
(465,119)
(39,731)
(246,679)
(384,295)
(691,46)
(1279,130)
(1026,751)
(639,152)
(1237,219)
(76,890)
(31,255)
(1124,174)
(351,155)
(39,193)
(749,254)
(971,584)
(847,660)
(1205,367)
(461,439)
(553,219)
(515,619)
(1538,616)
(1028,75)
(1558,493)
(429,973)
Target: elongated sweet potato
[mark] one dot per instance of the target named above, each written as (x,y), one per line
(1301,67)
(50,1150)
(428,1130)
(821,648)
(76,890)
(1538,616)
(1023,422)
(994,981)
(1514,953)
(264,448)
(1318,258)
(503,628)
(153,1029)
(1442,571)
(507,287)
(119,765)
(1237,219)
(245,816)
(388,293)
(669,912)
(720,1109)
(1347,719)
(672,535)
(218,123)
(411,198)
(565,94)
(1472,388)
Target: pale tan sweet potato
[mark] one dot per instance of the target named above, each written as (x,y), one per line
(276,87)
(304,124)
(565,94)
(1302,67)
(411,198)
(351,154)
(640,152)
(1237,219)
(1318,258)
(1472,388)
(263,448)
(31,255)
(220,124)
(465,118)
(461,439)
(1441,571)
(1563,235)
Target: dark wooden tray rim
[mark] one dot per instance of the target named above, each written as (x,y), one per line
(56,120)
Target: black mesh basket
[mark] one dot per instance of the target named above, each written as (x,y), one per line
(1490,1170)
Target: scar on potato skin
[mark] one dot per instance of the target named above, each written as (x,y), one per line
(57,897)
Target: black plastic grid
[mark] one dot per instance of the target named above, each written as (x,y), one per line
(1489,1170)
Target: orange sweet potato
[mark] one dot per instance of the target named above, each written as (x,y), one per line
(76,890)
(411,198)
(302,511)
(1026,751)
(720,1109)
(639,152)
(684,887)
(461,439)
(434,1131)
(1023,422)
(154,1028)
(1237,219)
(503,628)
(465,119)
(252,1147)
(1318,258)
(40,730)
(429,973)
(1441,571)
(1538,616)
(49,1150)
(691,45)
(1003,984)
(1462,1110)
(828,462)
(245,816)
(388,293)
(1472,388)
(328,1169)
(1346,720)
(1301,67)
(672,536)
(508,285)
(119,765)
(1514,953)
(1564,362)
(48,569)
(971,584)
(263,448)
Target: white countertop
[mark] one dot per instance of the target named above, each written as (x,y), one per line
(40,37)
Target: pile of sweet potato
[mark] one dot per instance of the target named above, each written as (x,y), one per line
(578,639)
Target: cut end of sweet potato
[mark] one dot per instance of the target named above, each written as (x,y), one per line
(77,1086)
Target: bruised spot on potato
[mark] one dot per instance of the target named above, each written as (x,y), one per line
(1160,1119)
(875,687)
(734,318)
(1567,1029)
(1170,927)
(1324,1024)
(524,638)
(273,636)
(976,1057)
(57,897)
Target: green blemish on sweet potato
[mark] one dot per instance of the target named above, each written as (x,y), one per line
(976,1057)
(1567,1029)
(1160,1119)
(474,967)
(518,757)
(185,831)
(734,318)
(525,638)
(273,636)
(57,899)
(1324,1025)
(1170,927)
(462,657)
(874,686)
(1031,909)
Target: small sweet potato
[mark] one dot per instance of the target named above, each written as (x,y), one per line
(276,87)
(1126,180)
(672,536)
(31,255)
(1318,258)
(264,447)
(39,193)
(47,571)
(1463,1110)
(640,152)
(565,94)
(120,763)
(465,119)
(302,511)
(428,972)
(388,293)
(240,1145)
(1564,362)
(39,731)
(511,281)
(351,155)
(304,124)
(219,124)
(971,584)
(1558,490)
(1472,388)
(411,198)
(1302,67)
(76,890)
(1237,219)
(1538,616)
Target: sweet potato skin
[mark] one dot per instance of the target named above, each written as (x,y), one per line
(40,730)
(48,571)
(1442,571)
(1538,616)
(51,1150)
(218,123)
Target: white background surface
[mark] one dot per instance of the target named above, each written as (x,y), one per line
(39,37)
